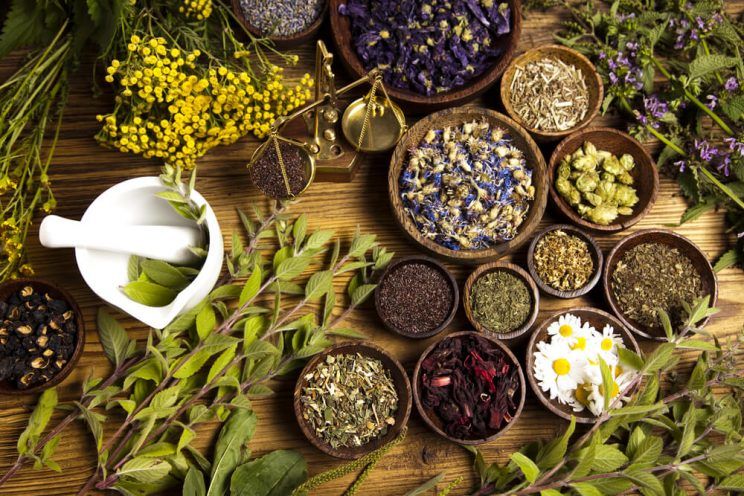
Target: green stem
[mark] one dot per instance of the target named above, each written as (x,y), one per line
(712,178)
(665,140)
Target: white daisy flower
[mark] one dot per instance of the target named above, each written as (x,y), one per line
(565,329)
(606,345)
(557,370)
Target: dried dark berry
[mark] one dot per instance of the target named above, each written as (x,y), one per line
(3,309)
(58,306)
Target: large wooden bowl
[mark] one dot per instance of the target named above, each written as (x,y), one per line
(597,318)
(618,143)
(569,56)
(283,42)
(454,117)
(516,336)
(402,386)
(670,238)
(416,102)
(57,293)
(433,421)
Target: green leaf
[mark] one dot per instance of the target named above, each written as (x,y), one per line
(426,486)
(347,333)
(550,492)
(527,466)
(647,481)
(133,267)
(260,390)
(697,344)
(226,292)
(164,274)
(585,459)
(729,259)
(221,362)
(318,285)
(292,267)
(251,286)
(113,338)
(636,409)
(193,484)
(26,24)
(214,344)
(318,239)
(732,483)
(150,294)
(230,450)
(694,211)
(37,422)
(629,357)
(95,423)
(143,469)
(648,452)
(360,244)
(708,64)
(666,323)
(299,229)
(689,422)
(660,358)
(361,293)
(608,382)
(608,459)
(555,450)
(275,474)
(586,489)
(206,321)
(612,485)
(157,450)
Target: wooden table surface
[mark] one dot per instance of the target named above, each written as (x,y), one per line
(82,170)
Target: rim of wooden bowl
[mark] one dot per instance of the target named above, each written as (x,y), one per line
(427,261)
(594,249)
(433,424)
(645,174)
(511,336)
(402,386)
(569,56)
(10,287)
(283,42)
(341,33)
(522,140)
(670,238)
(592,315)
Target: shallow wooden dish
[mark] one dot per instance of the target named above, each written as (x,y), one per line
(644,173)
(416,102)
(402,386)
(457,116)
(569,56)
(517,335)
(435,424)
(594,250)
(670,238)
(598,318)
(39,285)
(283,42)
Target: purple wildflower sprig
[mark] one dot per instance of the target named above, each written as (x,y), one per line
(622,70)
(691,31)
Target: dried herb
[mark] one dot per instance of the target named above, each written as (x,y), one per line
(37,337)
(470,385)
(467,187)
(654,276)
(597,184)
(266,171)
(501,301)
(349,400)
(549,94)
(428,47)
(563,261)
(281,17)
(415,298)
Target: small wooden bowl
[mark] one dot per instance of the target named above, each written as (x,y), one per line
(41,286)
(594,250)
(598,318)
(521,140)
(427,261)
(670,238)
(283,42)
(411,100)
(431,419)
(517,335)
(402,386)
(569,56)
(618,143)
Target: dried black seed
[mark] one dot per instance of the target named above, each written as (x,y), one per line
(266,172)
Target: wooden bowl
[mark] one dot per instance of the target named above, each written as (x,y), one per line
(433,421)
(422,260)
(283,42)
(517,335)
(594,250)
(402,386)
(670,238)
(618,143)
(598,318)
(41,286)
(416,102)
(457,116)
(569,56)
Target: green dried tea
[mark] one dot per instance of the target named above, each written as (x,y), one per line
(501,301)
(349,400)
(563,261)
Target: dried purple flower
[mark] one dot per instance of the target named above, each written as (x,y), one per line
(712,101)
(731,84)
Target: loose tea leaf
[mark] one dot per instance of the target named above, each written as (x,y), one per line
(563,261)
(501,301)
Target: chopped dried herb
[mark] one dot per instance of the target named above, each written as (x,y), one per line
(266,171)
(563,261)
(651,276)
(349,400)
(501,301)
(37,337)
(281,17)
(470,385)
(427,47)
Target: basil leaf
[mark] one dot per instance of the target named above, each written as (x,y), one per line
(275,474)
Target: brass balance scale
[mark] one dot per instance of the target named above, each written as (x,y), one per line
(371,124)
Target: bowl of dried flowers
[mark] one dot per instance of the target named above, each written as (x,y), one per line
(469,388)
(286,23)
(572,355)
(551,91)
(467,184)
(434,56)
(42,336)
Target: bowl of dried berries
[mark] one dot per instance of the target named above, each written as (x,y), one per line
(286,23)
(602,179)
(467,184)
(352,399)
(41,336)
(469,388)
(432,55)
(551,91)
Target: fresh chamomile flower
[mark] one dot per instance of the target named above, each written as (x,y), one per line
(566,329)
(606,345)
(558,370)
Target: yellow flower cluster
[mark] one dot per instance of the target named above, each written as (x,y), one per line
(196,9)
(11,248)
(172,107)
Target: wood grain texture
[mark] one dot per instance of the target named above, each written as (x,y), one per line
(82,170)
